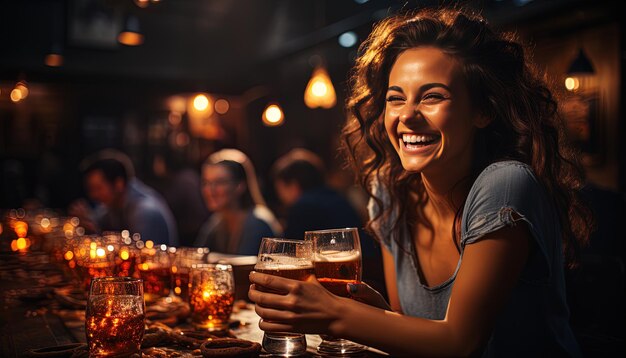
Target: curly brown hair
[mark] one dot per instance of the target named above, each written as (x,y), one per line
(525,124)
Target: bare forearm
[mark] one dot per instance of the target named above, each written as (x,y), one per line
(400,335)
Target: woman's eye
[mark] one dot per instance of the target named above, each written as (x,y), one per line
(433,96)
(394,99)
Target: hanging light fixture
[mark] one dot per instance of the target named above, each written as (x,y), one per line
(273,115)
(319,91)
(55,57)
(131,34)
(580,68)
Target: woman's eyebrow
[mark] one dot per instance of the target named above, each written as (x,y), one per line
(424,87)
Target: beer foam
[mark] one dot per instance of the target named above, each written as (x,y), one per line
(337,256)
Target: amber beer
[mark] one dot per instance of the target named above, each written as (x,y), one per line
(211,309)
(180,282)
(114,324)
(211,296)
(156,280)
(335,269)
(293,272)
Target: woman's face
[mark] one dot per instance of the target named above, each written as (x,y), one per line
(219,189)
(428,116)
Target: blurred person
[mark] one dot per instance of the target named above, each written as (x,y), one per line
(180,186)
(124,202)
(475,198)
(240,218)
(311,205)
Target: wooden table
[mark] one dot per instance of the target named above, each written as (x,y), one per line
(30,317)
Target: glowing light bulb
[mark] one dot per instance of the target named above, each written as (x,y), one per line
(201,102)
(273,115)
(572,83)
(319,91)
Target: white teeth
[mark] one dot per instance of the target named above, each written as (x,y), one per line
(413,138)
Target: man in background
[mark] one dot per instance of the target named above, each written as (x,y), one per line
(124,202)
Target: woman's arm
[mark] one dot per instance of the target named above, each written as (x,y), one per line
(489,271)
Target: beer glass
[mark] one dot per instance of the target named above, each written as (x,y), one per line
(183,259)
(337,262)
(115,316)
(290,259)
(153,265)
(211,296)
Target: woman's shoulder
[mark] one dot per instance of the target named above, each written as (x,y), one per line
(511,174)
(262,218)
(506,184)
(510,167)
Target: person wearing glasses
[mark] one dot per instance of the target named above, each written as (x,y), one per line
(240,216)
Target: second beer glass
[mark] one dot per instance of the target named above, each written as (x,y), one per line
(337,262)
(290,259)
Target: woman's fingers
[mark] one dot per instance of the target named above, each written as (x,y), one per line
(365,293)
(276,283)
(287,302)
(269,326)
(271,314)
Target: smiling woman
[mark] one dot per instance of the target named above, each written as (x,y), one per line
(474,199)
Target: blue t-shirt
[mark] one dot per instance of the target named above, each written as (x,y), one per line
(144,212)
(535,320)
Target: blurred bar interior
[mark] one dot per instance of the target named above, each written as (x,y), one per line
(155,77)
(183,79)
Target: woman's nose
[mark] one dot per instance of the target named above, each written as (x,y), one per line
(409,112)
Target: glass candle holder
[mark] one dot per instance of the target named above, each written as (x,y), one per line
(211,296)
(115,316)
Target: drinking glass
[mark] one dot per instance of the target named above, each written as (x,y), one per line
(115,316)
(183,259)
(154,267)
(211,296)
(337,262)
(290,259)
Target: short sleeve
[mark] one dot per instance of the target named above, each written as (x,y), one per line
(505,194)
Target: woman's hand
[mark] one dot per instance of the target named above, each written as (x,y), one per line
(294,306)
(363,292)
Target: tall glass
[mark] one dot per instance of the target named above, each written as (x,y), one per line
(115,316)
(211,296)
(337,262)
(290,259)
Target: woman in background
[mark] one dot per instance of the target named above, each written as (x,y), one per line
(240,217)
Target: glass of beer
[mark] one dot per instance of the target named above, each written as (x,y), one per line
(115,316)
(337,262)
(183,259)
(290,259)
(153,265)
(211,296)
